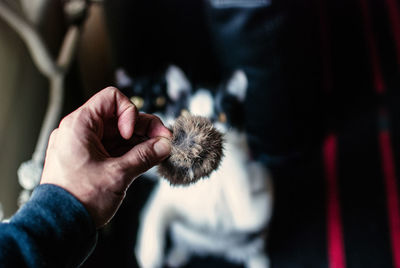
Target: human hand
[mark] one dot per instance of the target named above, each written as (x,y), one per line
(99,149)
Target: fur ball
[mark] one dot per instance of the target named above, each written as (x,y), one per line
(197,150)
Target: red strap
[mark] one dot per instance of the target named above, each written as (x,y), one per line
(391,194)
(373,50)
(384,136)
(336,253)
(393,12)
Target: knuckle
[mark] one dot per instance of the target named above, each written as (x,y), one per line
(82,115)
(111,91)
(66,122)
(53,137)
(53,133)
(69,121)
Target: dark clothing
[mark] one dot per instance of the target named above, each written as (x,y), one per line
(52,229)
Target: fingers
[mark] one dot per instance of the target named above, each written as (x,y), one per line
(148,125)
(144,156)
(109,103)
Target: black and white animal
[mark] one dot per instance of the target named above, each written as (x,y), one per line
(225,215)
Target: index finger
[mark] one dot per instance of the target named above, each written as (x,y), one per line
(109,103)
(150,126)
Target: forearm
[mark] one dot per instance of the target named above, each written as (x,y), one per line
(52,230)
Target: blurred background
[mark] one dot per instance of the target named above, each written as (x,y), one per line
(322,108)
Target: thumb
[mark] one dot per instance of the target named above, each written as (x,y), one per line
(145,155)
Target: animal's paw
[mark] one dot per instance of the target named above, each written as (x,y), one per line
(258,261)
(147,257)
(177,257)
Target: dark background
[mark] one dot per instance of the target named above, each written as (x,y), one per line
(312,74)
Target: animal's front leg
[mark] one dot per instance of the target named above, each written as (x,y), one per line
(260,260)
(151,235)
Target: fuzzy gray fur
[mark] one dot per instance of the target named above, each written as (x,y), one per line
(197,150)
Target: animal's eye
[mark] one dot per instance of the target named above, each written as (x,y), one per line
(222,118)
(184,112)
(138,101)
(160,101)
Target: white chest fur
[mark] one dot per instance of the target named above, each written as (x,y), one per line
(225,214)
(212,216)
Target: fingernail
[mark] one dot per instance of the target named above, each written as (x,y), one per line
(162,147)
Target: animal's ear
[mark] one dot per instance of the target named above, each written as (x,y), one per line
(177,82)
(123,80)
(237,85)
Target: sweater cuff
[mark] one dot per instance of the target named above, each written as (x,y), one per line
(65,232)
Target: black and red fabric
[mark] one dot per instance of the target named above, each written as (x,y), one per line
(358,173)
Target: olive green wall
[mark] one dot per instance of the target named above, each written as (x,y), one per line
(24,91)
(23,95)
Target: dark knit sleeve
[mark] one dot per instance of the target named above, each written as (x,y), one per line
(53,229)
